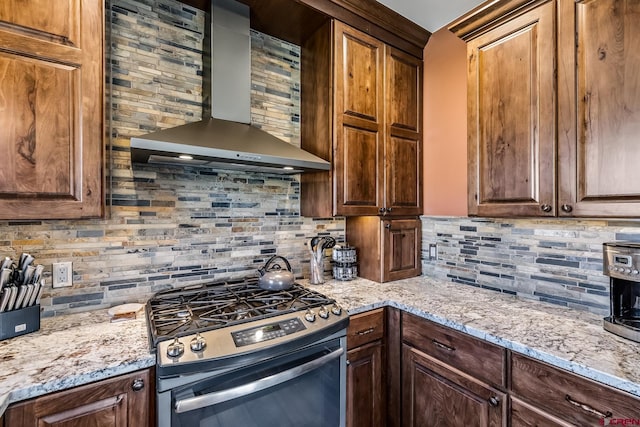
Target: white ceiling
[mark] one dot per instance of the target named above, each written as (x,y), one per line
(431,14)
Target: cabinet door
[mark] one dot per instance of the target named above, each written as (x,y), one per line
(365,403)
(511,117)
(599,108)
(359,142)
(51,79)
(403,146)
(401,248)
(434,394)
(117,402)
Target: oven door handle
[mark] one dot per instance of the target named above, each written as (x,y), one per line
(198,402)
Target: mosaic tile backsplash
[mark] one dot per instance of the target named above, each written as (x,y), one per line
(171,226)
(557,261)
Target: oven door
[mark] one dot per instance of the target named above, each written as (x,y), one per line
(303,388)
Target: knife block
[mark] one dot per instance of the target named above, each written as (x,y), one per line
(19,322)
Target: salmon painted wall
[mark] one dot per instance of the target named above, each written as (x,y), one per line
(445,125)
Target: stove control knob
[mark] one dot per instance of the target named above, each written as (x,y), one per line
(175,349)
(627,270)
(335,309)
(197,343)
(323,312)
(635,272)
(310,316)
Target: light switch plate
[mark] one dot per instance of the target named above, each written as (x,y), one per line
(433,251)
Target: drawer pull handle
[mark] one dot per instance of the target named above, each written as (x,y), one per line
(442,346)
(365,331)
(588,408)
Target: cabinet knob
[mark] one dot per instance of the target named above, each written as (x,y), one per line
(494,401)
(389,210)
(546,208)
(382,211)
(387,226)
(566,208)
(137,384)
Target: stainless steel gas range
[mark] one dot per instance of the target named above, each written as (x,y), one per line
(232,354)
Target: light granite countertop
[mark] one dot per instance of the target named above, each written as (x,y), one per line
(68,351)
(81,348)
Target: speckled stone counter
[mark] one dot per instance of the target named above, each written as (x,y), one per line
(569,339)
(81,348)
(68,351)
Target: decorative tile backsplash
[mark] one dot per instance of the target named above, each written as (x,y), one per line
(558,261)
(171,226)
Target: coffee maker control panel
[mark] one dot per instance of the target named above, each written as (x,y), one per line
(622,260)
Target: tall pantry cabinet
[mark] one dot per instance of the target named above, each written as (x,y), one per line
(51,98)
(553,107)
(362,111)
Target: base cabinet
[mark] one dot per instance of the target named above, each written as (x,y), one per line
(435,394)
(365,379)
(116,402)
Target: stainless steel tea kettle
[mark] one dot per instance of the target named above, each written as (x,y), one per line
(274,277)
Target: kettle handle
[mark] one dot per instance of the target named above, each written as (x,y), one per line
(264,269)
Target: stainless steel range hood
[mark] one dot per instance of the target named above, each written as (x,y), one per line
(226,140)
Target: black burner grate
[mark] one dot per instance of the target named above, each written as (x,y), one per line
(183,311)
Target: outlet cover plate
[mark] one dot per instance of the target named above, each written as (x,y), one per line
(62,274)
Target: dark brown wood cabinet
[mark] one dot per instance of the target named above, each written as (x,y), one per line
(51,90)
(449,378)
(553,108)
(121,401)
(555,394)
(511,116)
(362,111)
(365,380)
(388,248)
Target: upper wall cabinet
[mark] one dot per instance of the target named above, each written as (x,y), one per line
(51,98)
(362,111)
(553,108)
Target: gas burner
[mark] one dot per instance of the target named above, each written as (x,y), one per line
(190,310)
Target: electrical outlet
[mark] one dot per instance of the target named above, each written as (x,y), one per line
(62,274)
(433,251)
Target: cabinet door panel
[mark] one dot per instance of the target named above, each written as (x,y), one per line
(511,116)
(404,90)
(401,248)
(51,97)
(403,158)
(41,143)
(599,174)
(54,19)
(434,395)
(359,164)
(360,73)
(365,406)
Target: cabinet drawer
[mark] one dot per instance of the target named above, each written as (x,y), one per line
(471,355)
(365,328)
(569,396)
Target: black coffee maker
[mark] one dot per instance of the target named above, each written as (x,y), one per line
(621,262)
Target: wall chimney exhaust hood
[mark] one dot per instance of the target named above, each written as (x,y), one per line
(226,140)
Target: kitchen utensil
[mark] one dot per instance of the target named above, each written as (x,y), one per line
(4,299)
(6,263)
(273,277)
(12,297)
(34,294)
(37,275)
(22,291)
(28,274)
(328,242)
(5,276)
(27,296)
(40,292)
